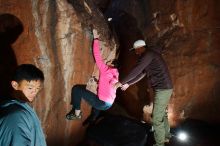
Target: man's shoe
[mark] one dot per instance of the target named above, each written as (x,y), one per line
(167,138)
(72,116)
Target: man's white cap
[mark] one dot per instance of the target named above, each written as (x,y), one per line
(138,44)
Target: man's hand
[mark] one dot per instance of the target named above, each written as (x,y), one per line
(95,34)
(124,87)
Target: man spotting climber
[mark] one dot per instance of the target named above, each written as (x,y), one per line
(152,65)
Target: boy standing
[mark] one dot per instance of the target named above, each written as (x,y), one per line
(19,124)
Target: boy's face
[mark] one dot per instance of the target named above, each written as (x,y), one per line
(29,89)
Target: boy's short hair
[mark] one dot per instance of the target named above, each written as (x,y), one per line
(27,72)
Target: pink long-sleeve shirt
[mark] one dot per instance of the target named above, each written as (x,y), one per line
(108,76)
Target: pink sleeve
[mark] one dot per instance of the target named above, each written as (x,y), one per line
(97,54)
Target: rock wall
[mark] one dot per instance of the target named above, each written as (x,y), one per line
(55,35)
(187,33)
(194,60)
(191,52)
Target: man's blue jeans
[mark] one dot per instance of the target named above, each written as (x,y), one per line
(80,91)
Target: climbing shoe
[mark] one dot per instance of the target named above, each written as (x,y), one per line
(72,116)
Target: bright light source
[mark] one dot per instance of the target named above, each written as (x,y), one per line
(182,136)
(109,19)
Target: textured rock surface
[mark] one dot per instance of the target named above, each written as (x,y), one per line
(53,36)
(188,31)
(56,36)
